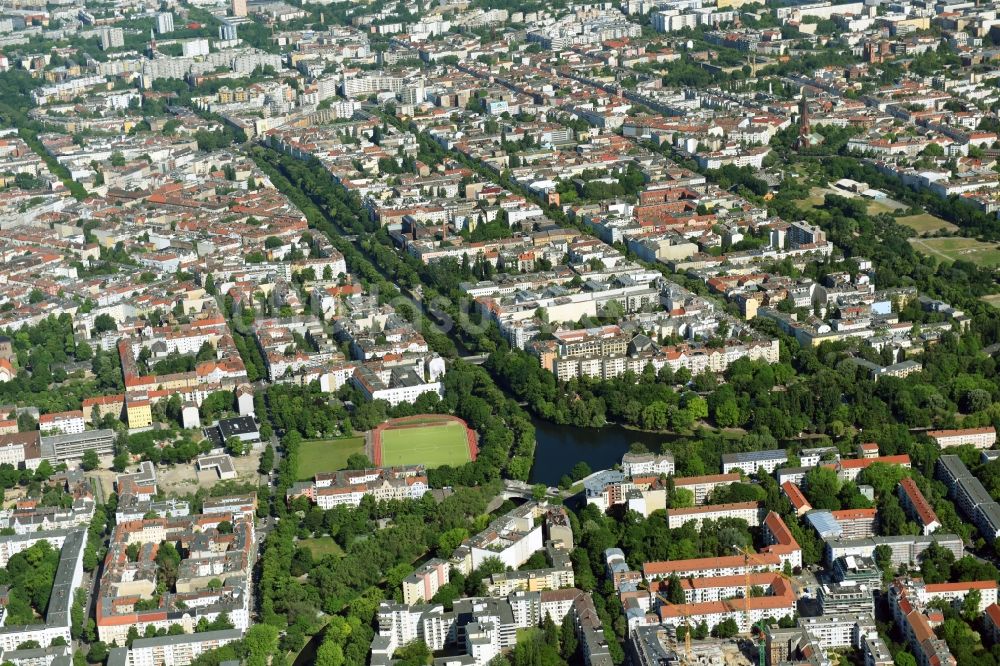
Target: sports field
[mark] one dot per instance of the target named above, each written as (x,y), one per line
(425,439)
(326,455)
(950,249)
(430,445)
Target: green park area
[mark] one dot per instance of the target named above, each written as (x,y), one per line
(955,248)
(925,222)
(321,547)
(326,455)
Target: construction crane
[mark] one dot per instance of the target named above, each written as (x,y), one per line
(689,659)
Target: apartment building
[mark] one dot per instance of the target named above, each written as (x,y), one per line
(850,597)
(780,541)
(68,423)
(708,567)
(647,464)
(970,495)
(749,462)
(702,486)
(748,511)
(849,469)
(349,487)
(178,650)
(780,603)
(423,584)
(917,506)
(514,537)
(905,549)
(856,523)
(209,555)
(477,629)
(981,438)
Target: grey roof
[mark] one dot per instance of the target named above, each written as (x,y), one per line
(825,524)
(596,483)
(988,518)
(752,456)
(200,637)
(61,599)
(953,466)
(646,640)
(972,488)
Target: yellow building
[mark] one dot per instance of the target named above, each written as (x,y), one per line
(139,412)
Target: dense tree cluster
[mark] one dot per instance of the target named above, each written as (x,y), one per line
(30,575)
(42,352)
(160,446)
(304,409)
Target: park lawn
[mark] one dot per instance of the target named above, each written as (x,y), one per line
(926,222)
(992,299)
(322,546)
(432,446)
(876,206)
(816,196)
(326,455)
(951,249)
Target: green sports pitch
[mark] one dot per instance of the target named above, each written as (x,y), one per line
(430,445)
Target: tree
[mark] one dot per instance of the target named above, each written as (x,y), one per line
(933,150)
(225,527)
(883,558)
(120,462)
(884,478)
(971,606)
(414,654)
(104,323)
(579,471)
(904,659)
(260,642)
(726,629)
(44,471)
(697,406)
(935,564)
(450,540)
(237,447)
(821,488)
(266,460)
(727,414)
(567,638)
(551,631)
(358,461)
(976,400)
(90,460)
(675,593)
(98,652)
(84,352)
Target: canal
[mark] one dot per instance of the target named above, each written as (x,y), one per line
(559,447)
